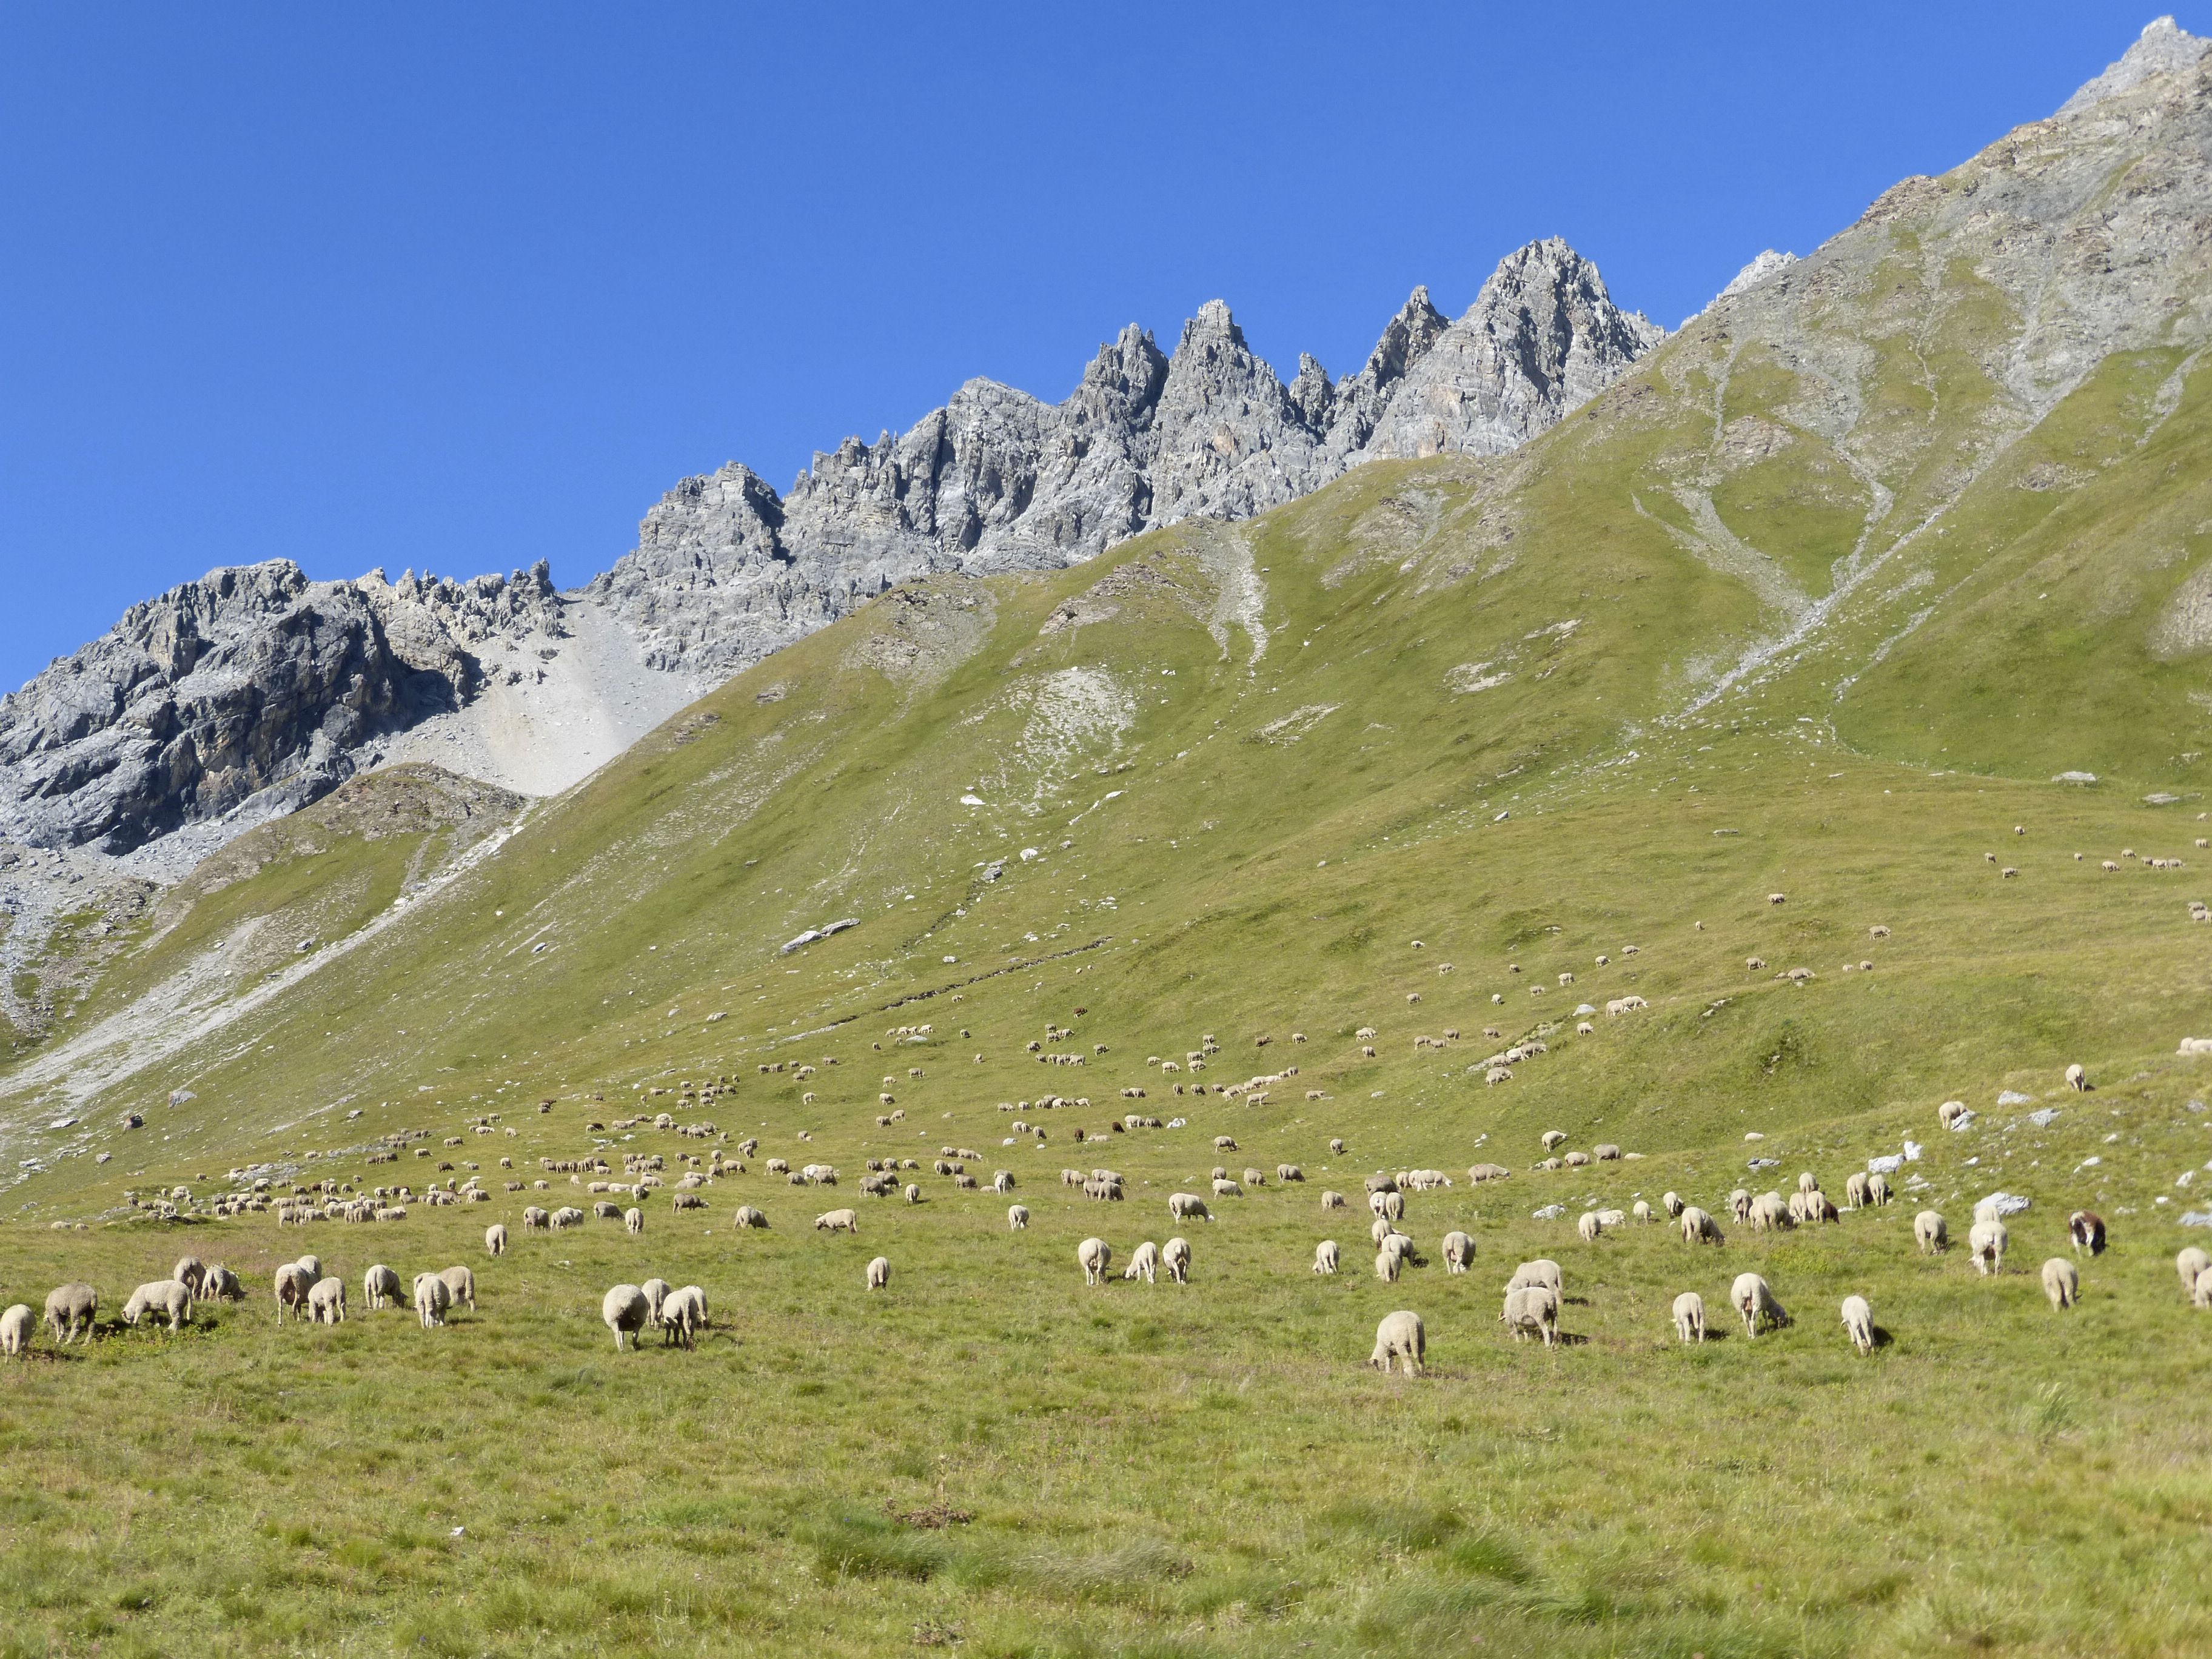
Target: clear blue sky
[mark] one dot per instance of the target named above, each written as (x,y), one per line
(459,287)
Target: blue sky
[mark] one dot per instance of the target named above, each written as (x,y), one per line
(457,287)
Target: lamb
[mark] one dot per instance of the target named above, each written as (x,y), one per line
(1756,1303)
(1929,1233)
(2190,1264)
(633,1220)
(838,1221)
(432,1296)
(748,1216)
(1326,1256)
(1532,1308)
(879,1273)
(190,1273)
(461,1285)
(164,1296)
(293,1284)
(1690,1316)
(1987,1242)
(1699,1228)
(1017,1217)
(1589,1227)
(1144,1263)
(2086,1229)
(1175,1256)
(1858,1322)
(15,1327)
(624,1311)
(70,1309)
(1094,1256)
(326,1302)
(1188,1206)
(379,1286)
(2060,1282)
(1400,1337)
(1459,1250)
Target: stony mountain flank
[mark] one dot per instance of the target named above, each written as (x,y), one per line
(253,691)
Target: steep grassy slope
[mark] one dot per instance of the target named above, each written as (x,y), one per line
(1816,605)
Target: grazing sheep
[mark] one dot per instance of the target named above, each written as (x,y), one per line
(879,1273)
(190,1273)
(1808,1183)
(1554,1138)
(326,1302)
(1878,1190)
(1388,1264)
(1188,1206)
(2200,1296)
(2086,1229)
(2190,1264)
(2077,1077)
(566,1216)
(1175,1256)
(1094,1256)
(1929,1233)
(1331,1200)
(623,1310)
(1017,1217)
(293,1284)
(1950,1112)
(535,1220)
(1589,1227)
(1690,1316)
(683,1314)
(1144,1263)
(1002,1183)
(1818,1208)
(633,1220)
(432,1296)
(312,1266)
(748,1216)
(2060,1282)
(1390,1205)
(496,1240)
(912,1192)
(15,1327)
(164,1296)
(1226,1188)
(71,1308)
(1642,1211)
(379,1287)
(1858,1322)
(1755,1301)
(838,1221)
(1479,1173)
(1541,1271)
(1399,1336)
(1987,1242)
(1532,1308)
(1740,1206)
(1326,1256)
(460,1286)
(1459,1250)
(1699,1228)
(1855,1191)
(1289,1172)
(221,1285)
(657,1292)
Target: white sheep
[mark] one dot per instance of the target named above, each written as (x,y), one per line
(1400,1337)
(1188,1206)
(312,1266)
(1542,1271)
(1987,1242)
(190,1273)
(379,1286)
(1756,1303)
(2190,1264)
(1858,1323)
(1326,1256)
(221,1285)
(1930,1233)
(432,1298)
(623,1310)
(2200,1295)
(656,1292)
(292,1285)
(1094,1256)
(633,1220)
(1144,1263)
(1672,1203)
(1591,1227)
(70,1309)
(1698,1227)
(1459,1251)
(684,1315)
(1331,1200)
(164,1296)
(879,1273)
(1690,1316)
(1641,1211)
(326,1302)
(1387,1265)
(1175,1256)
(1855,1191)
(1532,1308)
(838,1221)
(2060,1282)
(496,1240)
(748,1216)
(460,1286)
(15,1327)
(1878,1189)
(1017,1217)
(2077,1077)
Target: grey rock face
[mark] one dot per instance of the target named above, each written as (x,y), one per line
(725,571)
(2161,49)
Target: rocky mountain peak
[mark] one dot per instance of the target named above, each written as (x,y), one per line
(2163,48)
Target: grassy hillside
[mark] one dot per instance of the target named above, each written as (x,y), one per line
(1816,605)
